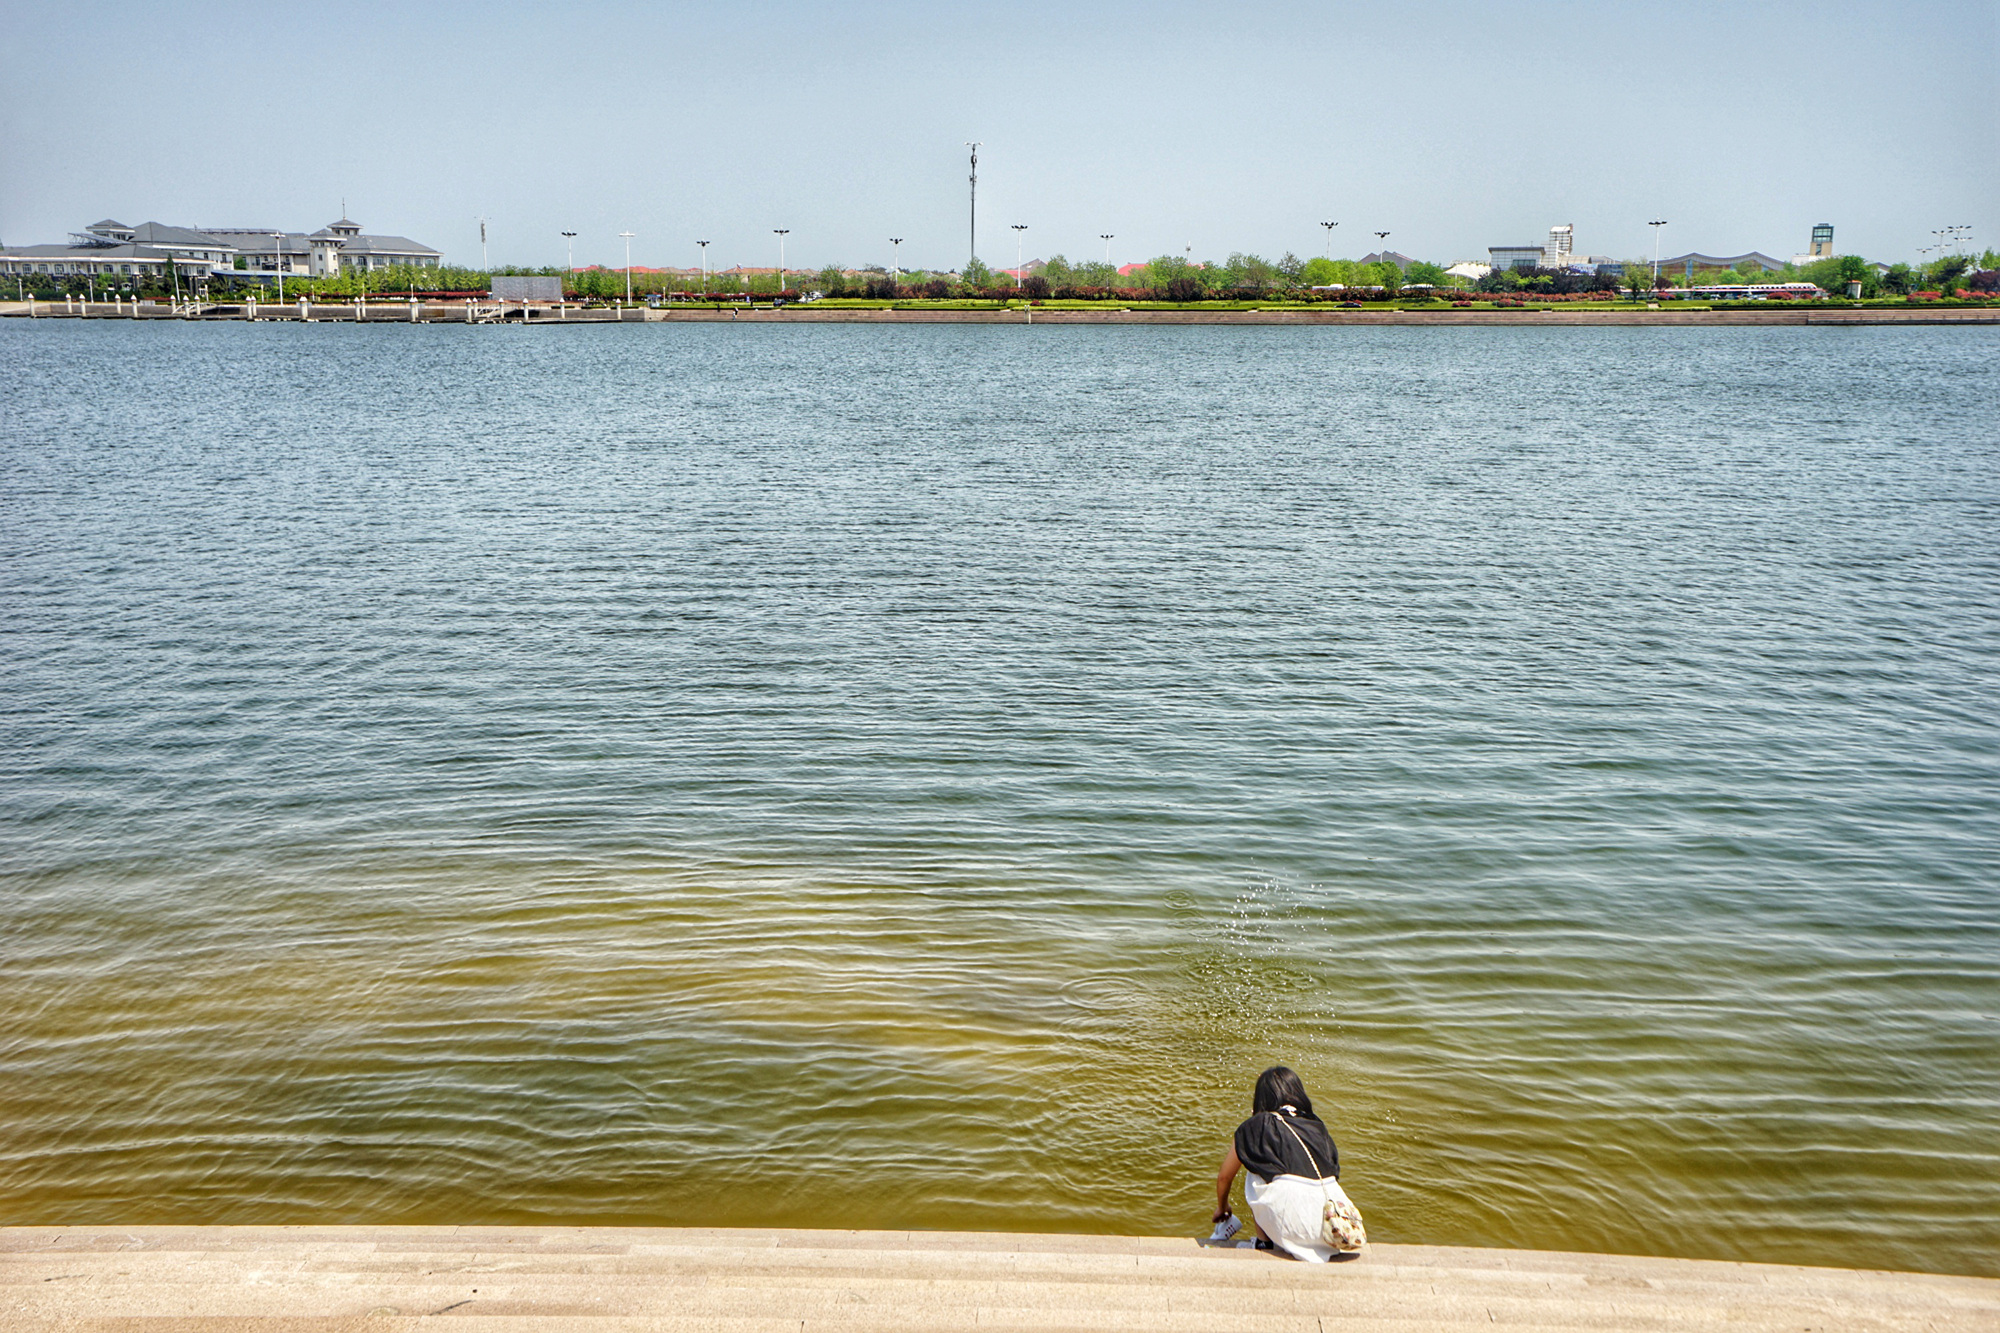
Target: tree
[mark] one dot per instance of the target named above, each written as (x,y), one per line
(1900,280)
(1252,272)
(1422,271)
(1853,268)
(1317,272)
(1944,274)
(1292,269)
(1058,271)
(976,273)
(1035,287)
(1177,279)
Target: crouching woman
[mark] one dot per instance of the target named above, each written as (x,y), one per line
(1293,1174)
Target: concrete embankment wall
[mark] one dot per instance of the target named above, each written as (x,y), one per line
(667,1280)
(449,313)
(372,312)
(1480,318)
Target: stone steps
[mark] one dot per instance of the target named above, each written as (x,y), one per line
(268,1279)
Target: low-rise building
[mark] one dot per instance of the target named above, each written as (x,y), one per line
(112,252)
(1514,256)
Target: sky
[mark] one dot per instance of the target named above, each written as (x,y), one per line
(1451,125)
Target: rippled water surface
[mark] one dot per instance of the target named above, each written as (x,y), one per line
(916,777)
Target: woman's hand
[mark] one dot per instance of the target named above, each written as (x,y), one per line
(1223,1180)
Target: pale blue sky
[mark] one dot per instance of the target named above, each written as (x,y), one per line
(1451,125)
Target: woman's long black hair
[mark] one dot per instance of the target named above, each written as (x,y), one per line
(1279,1086)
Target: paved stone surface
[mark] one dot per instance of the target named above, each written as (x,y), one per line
(322,1279)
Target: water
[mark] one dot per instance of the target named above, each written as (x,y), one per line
(916,777)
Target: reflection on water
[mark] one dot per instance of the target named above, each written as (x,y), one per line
(916,777)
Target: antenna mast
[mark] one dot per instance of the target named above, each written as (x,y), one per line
(973,218)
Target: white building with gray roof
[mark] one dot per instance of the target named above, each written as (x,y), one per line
(117,254)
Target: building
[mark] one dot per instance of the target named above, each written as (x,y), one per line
(1690,264)
(1562,242)
(1558,253)
(113,253)
(1401,261)
(1821,246)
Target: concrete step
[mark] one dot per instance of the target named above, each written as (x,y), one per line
(517,1278)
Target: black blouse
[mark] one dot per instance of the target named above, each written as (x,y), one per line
(1266,1147)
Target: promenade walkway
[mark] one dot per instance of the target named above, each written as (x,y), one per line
(573,1280)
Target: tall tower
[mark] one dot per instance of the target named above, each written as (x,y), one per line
(1822,241)
(1562,237)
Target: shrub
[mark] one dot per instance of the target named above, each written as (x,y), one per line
(1036,287)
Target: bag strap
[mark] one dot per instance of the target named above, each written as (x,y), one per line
(1309,1153)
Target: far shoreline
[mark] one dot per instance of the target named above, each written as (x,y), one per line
(404,312)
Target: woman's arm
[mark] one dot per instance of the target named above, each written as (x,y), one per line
(1223,1180)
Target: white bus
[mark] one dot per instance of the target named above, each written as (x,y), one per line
(1758,291)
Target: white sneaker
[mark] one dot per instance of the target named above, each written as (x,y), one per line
(1226,1228)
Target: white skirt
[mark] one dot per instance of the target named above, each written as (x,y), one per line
(1289,1210)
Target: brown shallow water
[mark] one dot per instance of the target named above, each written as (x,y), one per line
(916,778)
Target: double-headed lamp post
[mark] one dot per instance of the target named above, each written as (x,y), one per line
(628,235)
(1106,237)
(1329,237)
(278,261)
(1019,227)
(895,259)
(569,238)
(1656,250)
(704,266)
(781,233)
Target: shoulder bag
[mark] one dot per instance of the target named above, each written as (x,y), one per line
(1340,1225)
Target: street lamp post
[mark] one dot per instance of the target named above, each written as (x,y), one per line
(781,233)
(895,260)
(1329,237)
(1019,227)
(704,266)
(278,261)
(1656,251)
(1106,237)
(628,235)
(569,240)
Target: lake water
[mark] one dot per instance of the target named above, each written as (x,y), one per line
(917,776)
